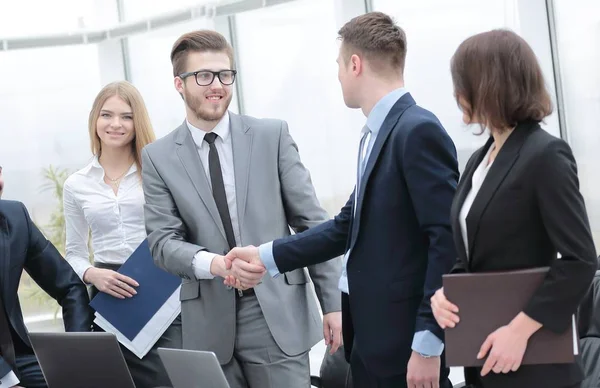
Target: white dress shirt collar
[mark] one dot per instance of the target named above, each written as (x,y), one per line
(221,129)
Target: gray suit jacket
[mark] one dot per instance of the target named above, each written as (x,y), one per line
(273,192)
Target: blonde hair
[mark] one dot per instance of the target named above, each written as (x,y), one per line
(144,134)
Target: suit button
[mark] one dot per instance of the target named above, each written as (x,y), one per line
(229,287)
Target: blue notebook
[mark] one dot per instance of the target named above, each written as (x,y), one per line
(130,315)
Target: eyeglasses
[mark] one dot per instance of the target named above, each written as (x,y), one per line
(206,77)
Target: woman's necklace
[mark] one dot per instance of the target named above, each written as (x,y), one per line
(117,181)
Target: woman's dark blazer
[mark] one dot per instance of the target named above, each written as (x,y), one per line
(528,209)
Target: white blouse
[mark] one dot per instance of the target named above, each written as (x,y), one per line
(116,221)
(476,183)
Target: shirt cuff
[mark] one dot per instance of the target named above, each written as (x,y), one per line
(80,270)
(10,380)
(427,344)
(201,264)
(266,255)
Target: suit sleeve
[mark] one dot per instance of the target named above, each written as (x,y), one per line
(431,173)
(564,216)
(55,276)
(315,245)
(459,267)
(303,211)
(167,234)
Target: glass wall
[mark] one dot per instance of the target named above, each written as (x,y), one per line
(141,9)
(578,30)
(31,17)
(292,75)
(45,98)
(434,30)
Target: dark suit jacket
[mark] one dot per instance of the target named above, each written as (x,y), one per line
(528,209)
(400,239)
(22,246)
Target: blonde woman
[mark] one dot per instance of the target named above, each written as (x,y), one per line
(106,198)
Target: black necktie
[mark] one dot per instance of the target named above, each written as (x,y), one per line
(7,349)
(218,188)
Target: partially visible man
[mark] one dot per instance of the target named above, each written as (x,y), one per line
(222,180)
(395,228)
(23,247)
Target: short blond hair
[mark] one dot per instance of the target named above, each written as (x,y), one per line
(144,134)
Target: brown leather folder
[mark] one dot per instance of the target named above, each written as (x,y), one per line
(487,301)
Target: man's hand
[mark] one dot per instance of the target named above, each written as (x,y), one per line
(506,346)
(111,282)
(245,267)
(218,266)
(332,330)
(423,372)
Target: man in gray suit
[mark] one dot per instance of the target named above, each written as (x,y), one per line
(222,180)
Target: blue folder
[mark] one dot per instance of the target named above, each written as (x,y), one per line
(130,315)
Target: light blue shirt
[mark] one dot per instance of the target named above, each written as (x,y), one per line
(424,342)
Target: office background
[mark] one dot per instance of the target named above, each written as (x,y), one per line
(56,55)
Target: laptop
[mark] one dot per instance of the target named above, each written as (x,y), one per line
(193,369)
(76,360)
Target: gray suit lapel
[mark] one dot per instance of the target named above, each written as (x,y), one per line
(241,139)
(188,155)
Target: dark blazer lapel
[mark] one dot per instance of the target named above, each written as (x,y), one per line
(4,262)
(386,128)
(463,189)
(188,155)
(241,139)
(506,158)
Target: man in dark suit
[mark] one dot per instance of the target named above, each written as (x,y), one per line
(22,246)
(395,228)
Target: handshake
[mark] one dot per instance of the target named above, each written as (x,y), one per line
(241,267)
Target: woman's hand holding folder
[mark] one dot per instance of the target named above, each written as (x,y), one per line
(504,347)
(445,313)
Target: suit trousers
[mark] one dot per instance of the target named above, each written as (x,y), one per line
(363,378)
(30,374)
(257,360)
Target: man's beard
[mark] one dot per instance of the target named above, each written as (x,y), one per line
(203,109)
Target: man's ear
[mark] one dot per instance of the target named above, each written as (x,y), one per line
(356,64)
(179,85)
